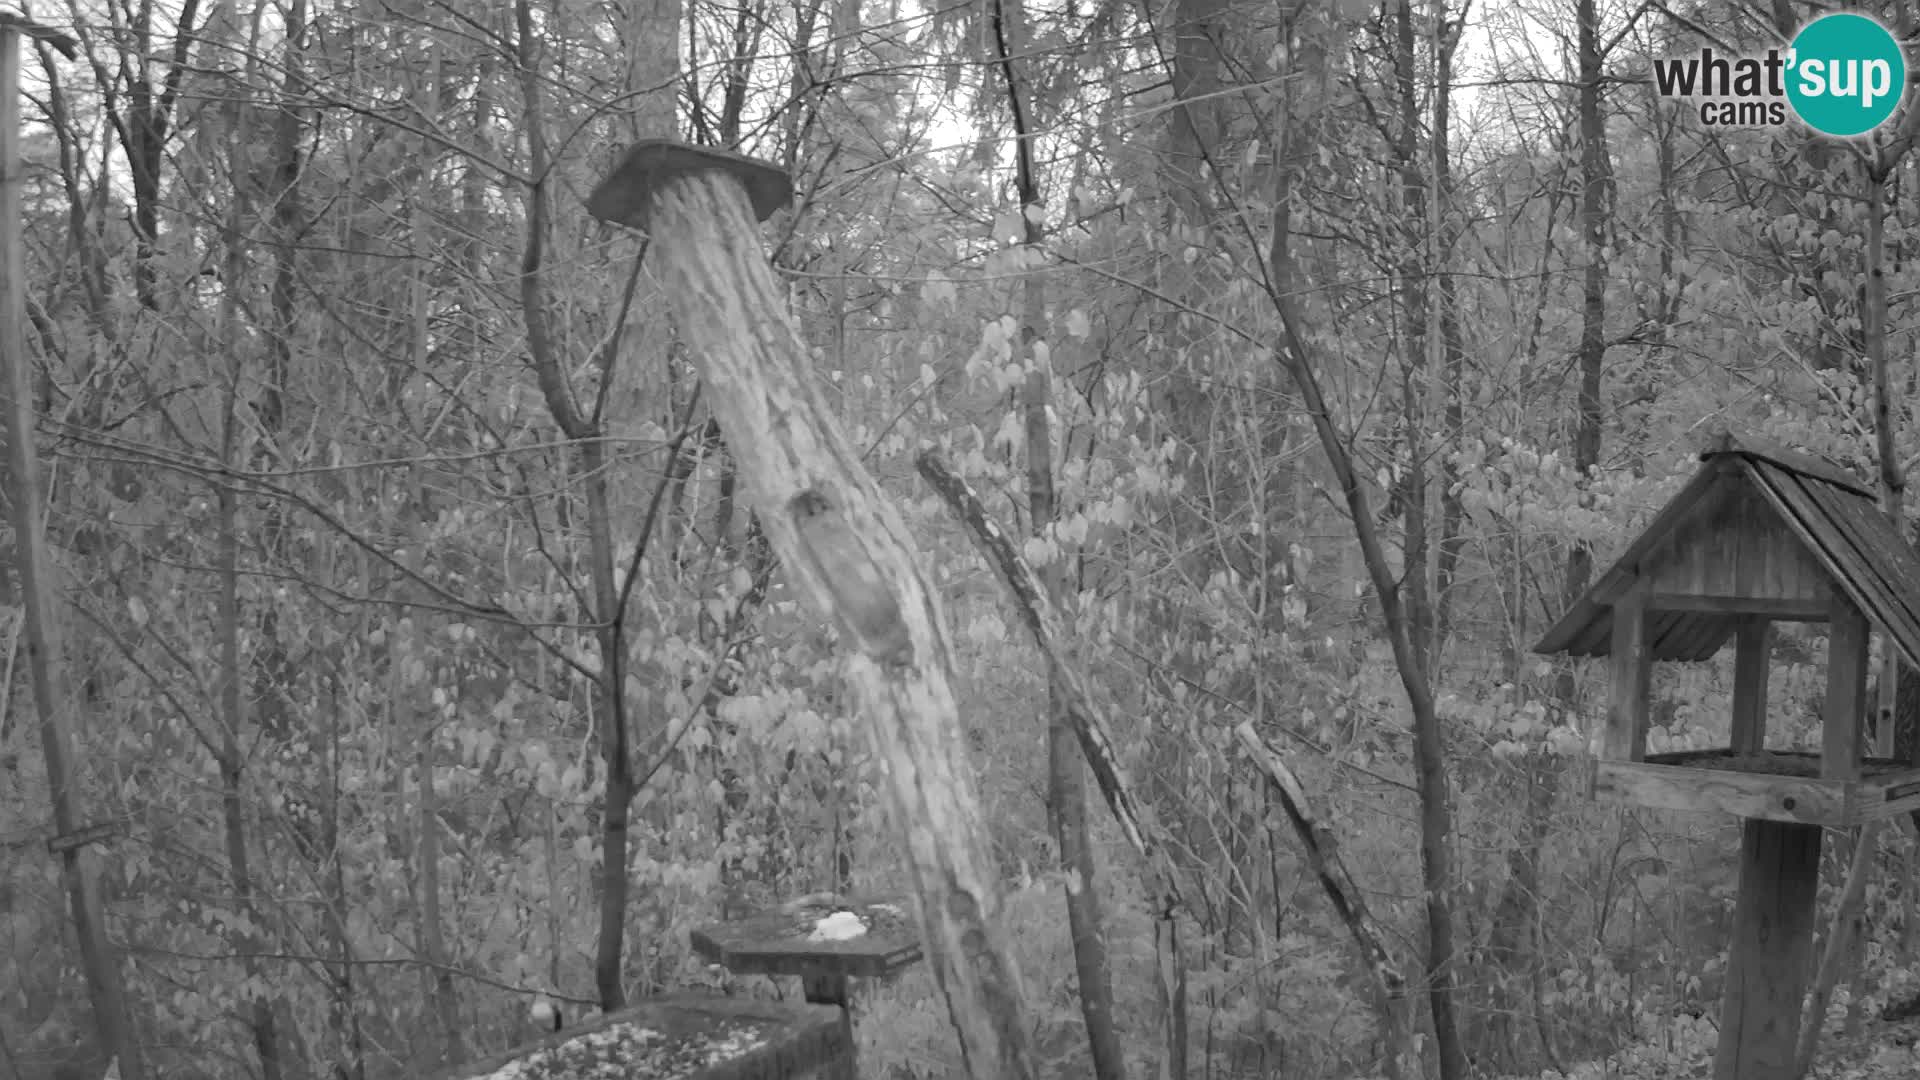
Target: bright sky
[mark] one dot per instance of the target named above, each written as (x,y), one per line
(1481,103)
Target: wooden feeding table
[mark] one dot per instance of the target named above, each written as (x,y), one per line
(824,941)
(1761,535)
(690,1037)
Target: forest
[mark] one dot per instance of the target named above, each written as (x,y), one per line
(405,647)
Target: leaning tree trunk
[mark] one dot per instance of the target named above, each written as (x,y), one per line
(850,551)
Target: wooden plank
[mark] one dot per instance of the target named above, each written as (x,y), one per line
(1889,596)
(1897,785)
(690,1037)
(1595,606)
(1672,634)
(1686,635)
(1804,764)
(1785,610)
(1883,809)
(1689,757)
(1770,958)
(1625,738)
(1895,600)
(1792,498)
(1841,719)
(1889,795)
(1869,558)
(1738,548)
(1697,790)
(1707,635)
(1753,649)
(1779,454)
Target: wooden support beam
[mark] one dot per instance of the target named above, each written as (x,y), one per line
(1842,719)
(1792,609)
(1625,738)
(1753,648)
(1771,954)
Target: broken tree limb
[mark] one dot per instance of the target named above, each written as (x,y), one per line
(1035,605)
(1036,610)
(848,549)
(1323,855)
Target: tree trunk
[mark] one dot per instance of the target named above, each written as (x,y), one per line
(247,942)
(440,986)
(1298,359)
(34,567)
(1066,782)
(609,682)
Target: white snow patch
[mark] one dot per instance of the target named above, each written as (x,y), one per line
(839,926)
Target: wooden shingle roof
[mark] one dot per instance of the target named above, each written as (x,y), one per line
(1834,516)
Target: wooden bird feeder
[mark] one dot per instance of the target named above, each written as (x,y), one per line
(822,942)
(1761,535)
(686,1037)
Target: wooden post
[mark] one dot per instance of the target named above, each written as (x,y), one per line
(35,570)
(1631,661)
(1846,692)
(832,990)
(1771,957)
(1771,954)
(848,549)
(1753,647)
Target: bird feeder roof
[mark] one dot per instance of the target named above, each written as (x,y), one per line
(1774,512)
(622,196)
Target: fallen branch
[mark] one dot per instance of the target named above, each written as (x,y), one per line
(1323,855)
(1036,610)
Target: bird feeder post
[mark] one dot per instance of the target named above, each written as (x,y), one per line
(1772,940)
(845,545)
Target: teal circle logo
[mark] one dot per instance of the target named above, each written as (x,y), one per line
(1846,75)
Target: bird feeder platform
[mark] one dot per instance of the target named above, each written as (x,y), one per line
(1767,785)
(1762,534)
(814,938)
(688,1037)
(823,940)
